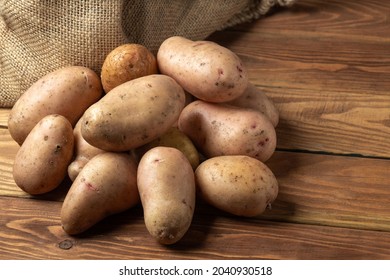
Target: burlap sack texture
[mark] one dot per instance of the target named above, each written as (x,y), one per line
(39,36)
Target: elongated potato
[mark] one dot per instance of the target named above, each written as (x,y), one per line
(42,160)
(83,152)
(205,69)
(133,114)
(239,185)
(218,130)
(167,189)
(253,98)
(67,91)
(106,185)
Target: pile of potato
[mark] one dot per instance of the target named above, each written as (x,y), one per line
(157,130)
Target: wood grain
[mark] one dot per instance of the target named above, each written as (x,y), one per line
(30,234)
(326,66)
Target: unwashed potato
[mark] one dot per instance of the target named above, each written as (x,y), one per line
(67,91)
(219,129)
(255,99)
(133,114)
(239,185)
(205,69)
(125,63)
(167,189)
(42,160)
(106,185)
(176,139)
(83,152)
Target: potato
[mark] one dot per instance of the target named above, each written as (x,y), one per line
(239,185)
(176,139)
(83,152)
(205,69)
(133,114)
(105,186)
(67,91)
(125,63)
(255,99)
(41,162)
(218,130)
(167,189)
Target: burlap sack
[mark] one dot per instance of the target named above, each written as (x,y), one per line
(39,36)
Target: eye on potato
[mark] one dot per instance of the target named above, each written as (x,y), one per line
(203,68)
(41,162)
(166,185)
(68,91)
(127,62)
(106,185)
(239,185)
(133,114)
(219,129)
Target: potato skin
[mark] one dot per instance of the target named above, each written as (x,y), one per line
(41,162)
(205,69)
(239,185)
(167,189)
(133,113)
(253,98)
(67,91)
(127,62)
(83,152)
(106,185)
(218,129)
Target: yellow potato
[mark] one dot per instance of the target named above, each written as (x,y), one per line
(133,114)
(218,129)
(67,91)
(176,139)
(42,160)
(83,152)
(239,185)
(253,98)
(127,62)
(205,69)
(167,189)
(106,185)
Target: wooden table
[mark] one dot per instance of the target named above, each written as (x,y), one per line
(326,65)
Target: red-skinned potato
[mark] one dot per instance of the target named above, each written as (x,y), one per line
(239,185)
(68,91)
(253,98)
(83,152)
(105,186)
(205,69)
(218,129)
(41,162)
(167,190)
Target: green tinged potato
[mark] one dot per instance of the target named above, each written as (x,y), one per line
(239,185)
(106,185)
(42,160)
(167,189)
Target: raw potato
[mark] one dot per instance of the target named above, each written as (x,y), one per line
(176,139)
(218,130)
(255,99)
(42,160)
(239,185)
(205,69)
(167,189)
(106,185)
(133,114)
(83,152)
(127,62)
(68,92)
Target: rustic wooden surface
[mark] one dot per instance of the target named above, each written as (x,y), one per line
(326,65)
